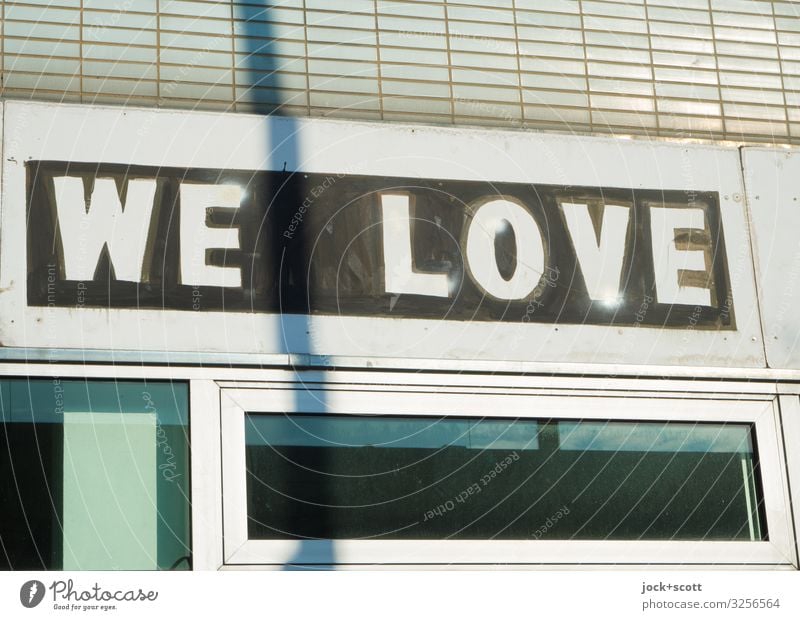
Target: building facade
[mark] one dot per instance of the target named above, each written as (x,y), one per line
(399,283)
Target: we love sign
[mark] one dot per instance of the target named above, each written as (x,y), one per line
(115,236)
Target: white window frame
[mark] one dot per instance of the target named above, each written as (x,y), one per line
(777,437)
(399,394)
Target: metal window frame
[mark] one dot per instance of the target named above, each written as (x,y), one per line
(403,394)
(779,426)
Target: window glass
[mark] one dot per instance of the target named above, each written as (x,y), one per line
(94,475)
(402,477)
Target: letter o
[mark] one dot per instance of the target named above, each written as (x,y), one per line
(481,259)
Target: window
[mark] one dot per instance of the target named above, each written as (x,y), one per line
(335,474)
(360,477)
(94,475)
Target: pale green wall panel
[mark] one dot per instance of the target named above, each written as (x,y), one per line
(110,499)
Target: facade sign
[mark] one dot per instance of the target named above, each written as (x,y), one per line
(113,236)
(253,238)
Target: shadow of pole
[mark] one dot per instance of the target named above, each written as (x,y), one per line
(287,257)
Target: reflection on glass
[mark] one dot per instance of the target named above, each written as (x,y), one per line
(93,475)
(404,477)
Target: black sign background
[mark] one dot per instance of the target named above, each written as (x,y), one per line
(312,244)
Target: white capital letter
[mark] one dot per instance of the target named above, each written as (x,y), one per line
(398,262)
(196,237)
(493,217)
(600,259)
(123,229)
(669,261)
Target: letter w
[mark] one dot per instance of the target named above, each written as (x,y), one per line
(106,222)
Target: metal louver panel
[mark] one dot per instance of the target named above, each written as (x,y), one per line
(725,69)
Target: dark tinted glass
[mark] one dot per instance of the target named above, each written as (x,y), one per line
(340,477)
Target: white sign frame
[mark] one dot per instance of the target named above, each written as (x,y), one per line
(151,137)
